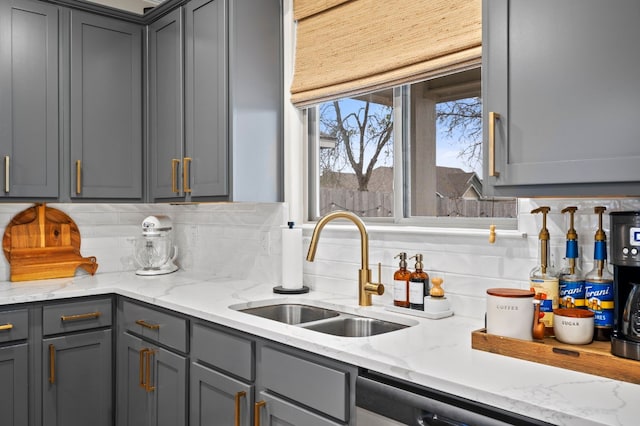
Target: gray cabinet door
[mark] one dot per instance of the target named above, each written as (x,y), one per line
(206,140)
(14,385)
(152,384)
(563,77)
(166,118)
(214,398)
(77,382)
(106,108)
(29,92)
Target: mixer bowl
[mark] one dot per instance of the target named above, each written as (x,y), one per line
(152,252)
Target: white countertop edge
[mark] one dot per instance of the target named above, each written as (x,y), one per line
(435,353)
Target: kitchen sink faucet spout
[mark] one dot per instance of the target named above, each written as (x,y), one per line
(365,287)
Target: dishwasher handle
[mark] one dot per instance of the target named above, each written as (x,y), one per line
(432,419)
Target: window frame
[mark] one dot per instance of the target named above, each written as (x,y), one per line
(401,173)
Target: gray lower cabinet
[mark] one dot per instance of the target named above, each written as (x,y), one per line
(561,95)
(277,411)
(76,362)
(78,388)
(29,147)
(106,108)
(152,379)
(14,384)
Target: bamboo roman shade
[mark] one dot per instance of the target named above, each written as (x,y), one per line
(346,47)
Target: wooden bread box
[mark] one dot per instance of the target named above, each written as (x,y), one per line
(42,242)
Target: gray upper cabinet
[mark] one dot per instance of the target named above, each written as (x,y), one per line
(29,148)
(563,79)
(166,119)
(216,131)
(106,108)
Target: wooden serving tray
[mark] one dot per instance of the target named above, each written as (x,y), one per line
(594,358)
(42,242)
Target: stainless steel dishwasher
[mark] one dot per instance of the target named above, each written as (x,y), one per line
(385,400)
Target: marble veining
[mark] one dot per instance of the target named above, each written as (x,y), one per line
(433,353)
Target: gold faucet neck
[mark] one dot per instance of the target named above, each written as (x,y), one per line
(339,214)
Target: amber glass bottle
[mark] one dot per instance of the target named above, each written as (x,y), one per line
(401,283)
(418,285)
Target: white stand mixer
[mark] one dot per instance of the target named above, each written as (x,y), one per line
(154,250)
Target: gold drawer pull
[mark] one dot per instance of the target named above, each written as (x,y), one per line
(78,317)
(186,168)
(78,176)
(52,364)
(239,395)
(256,412)
(7,175)
(7,326)
(147,325)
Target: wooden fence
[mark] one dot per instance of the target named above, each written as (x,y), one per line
(380,204)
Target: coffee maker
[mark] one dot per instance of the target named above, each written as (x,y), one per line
(625,258)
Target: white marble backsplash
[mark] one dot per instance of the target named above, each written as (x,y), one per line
(243,241)
(235,240)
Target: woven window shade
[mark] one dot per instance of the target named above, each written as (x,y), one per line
(347,47)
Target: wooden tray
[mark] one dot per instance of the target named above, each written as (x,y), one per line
(594,358)
(42,242)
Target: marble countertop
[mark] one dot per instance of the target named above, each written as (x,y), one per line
(433,353)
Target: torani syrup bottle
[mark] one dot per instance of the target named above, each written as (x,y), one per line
(598,285)
(401,282)
(571,280)
(543,278)
(418,285)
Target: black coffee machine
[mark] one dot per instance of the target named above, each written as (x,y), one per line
(625,258)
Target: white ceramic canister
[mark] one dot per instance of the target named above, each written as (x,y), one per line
(510,312)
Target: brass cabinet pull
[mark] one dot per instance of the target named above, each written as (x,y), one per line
(142,353)
(78,317)
(239,395)
(493,116)
(7,183)
(256,412)
(7,326)
(186,168)
(78,176)
(148,364)
(147,325)
(175,163)
(52,364)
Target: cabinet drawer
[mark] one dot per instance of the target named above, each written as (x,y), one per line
(223,350)
(14,325)
(75,316)
(315,385)
(158,326)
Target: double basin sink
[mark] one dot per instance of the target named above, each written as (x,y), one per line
(324,320)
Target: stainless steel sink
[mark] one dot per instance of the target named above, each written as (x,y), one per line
(291,313)
(355,326)
(324,320)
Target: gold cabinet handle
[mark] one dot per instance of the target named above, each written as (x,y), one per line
(186,168)
(493,116)
(78,317)
(175,163)
(239,396)
(78,176)
(141,370)
(7,326)
(256,412)
(148,364)
(7,175)
(147,325)
(52,364)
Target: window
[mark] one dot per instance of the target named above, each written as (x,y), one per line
(403,154)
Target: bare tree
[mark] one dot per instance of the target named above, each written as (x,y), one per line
(462,123)
(363,134)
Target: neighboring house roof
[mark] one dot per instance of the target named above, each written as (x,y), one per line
(451,182)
